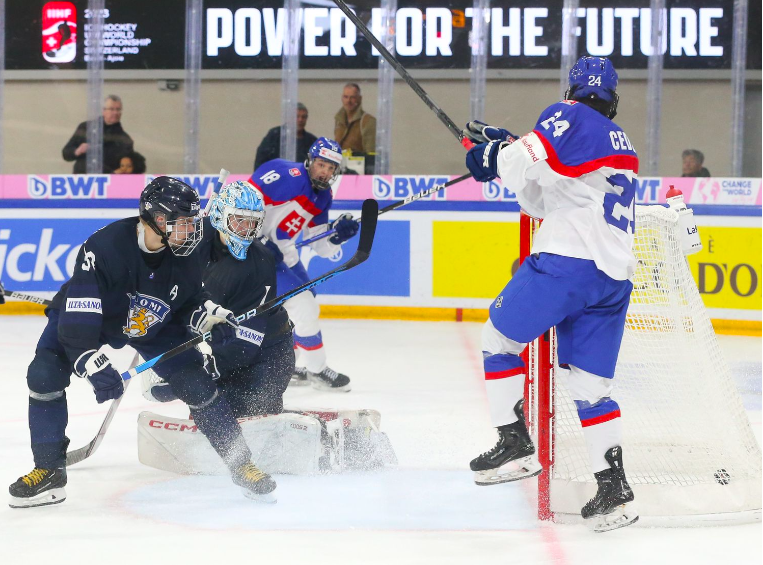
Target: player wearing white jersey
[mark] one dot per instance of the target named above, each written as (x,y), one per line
(576,170)
(297,201)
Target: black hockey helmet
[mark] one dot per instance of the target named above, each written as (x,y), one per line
(173,210)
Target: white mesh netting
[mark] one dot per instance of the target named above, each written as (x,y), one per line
(688,447)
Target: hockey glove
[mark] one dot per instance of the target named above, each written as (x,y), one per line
(346,227)
(2,293)
(105,380)
(275,251)
(480,132)
(205,317)
(482,160)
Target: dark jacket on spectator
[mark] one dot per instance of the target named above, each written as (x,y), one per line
(116,143)
(703,172)
(270,147)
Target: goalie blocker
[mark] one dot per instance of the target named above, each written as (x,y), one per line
(294,442)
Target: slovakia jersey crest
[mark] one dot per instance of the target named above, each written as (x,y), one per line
(145,312)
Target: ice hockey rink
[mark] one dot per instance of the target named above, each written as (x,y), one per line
(426,380)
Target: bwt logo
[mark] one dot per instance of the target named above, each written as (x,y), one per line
(492,191)
(646,190)
(68,186)
(403,187)
(44,258)
(203,184)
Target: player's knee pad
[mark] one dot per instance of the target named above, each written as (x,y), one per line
(48,375)
(304,311)
(586,387)
(495,343)
(193,385)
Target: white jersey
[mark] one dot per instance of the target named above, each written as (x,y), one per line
(576,170)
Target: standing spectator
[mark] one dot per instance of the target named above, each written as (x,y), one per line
(131,164)
(692,164)
(270,147)
(354,129)
(116,142)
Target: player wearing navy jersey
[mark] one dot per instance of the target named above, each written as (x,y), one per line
(136,283)
(253,371)
(576,170)
(297,199)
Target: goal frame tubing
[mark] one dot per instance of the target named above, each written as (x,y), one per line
(539,407)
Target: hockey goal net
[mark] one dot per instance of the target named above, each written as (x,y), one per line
(688,448)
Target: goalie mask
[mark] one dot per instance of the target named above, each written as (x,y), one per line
(171,208)
(593,81)
(238,212)
(324,160)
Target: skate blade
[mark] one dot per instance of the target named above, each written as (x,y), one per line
(268,498)
(299,382)
(52,496)
(516,470)
(319,385)
(623,515)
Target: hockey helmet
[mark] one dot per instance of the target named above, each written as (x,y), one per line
(172,209)
(328,150)
(593,80)
(238,213)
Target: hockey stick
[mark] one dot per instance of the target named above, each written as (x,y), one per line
(218,185)
(26,297)
(394,206)
(369,216)
(454,129)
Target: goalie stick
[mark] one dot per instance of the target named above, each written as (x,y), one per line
(394,206)
(369,216)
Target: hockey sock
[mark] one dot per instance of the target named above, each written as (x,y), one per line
(216,421)
(505,385)
(47,425)
(312,354)
(601,429)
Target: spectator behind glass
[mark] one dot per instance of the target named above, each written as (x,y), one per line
(270,147)
(116,142)
(692,164)
(131,164)
(354,129)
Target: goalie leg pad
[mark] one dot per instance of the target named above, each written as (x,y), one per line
(282,443)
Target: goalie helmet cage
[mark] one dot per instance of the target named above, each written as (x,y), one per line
(688,448)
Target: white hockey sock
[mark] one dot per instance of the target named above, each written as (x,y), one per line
(599,438)
(502,395)
(314,360)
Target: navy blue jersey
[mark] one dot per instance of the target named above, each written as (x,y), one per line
(240,286)
(120,295)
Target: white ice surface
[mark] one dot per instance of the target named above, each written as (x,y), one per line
(426,379)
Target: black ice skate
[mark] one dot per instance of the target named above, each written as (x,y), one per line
(328,379)
(41,487)
(611,506)
(513,457)
(299,378)
(256,484)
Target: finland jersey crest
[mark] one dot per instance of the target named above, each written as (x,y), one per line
(145,312)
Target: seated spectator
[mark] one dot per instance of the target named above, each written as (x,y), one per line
(116,142)
(270,147)
(354,129)
(131,164)
(692,164)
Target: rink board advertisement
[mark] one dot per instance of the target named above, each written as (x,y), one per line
(454,249)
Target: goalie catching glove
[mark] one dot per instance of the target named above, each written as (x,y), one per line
(97,369)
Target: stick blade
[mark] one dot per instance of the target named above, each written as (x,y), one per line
(369,216)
